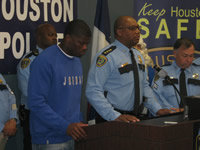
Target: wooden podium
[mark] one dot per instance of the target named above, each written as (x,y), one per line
(152,134)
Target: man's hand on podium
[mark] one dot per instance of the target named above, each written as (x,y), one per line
(76,131)
(127,118)
(161,112)
(177,109)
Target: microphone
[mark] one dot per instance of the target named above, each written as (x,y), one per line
(161,72)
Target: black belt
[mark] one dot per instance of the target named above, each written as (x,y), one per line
(125,112)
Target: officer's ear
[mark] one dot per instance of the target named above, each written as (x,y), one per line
(175,53)
(119,32)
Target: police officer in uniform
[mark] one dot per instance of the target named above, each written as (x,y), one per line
(8,113)
(165,92)
(45,36)
(111,84)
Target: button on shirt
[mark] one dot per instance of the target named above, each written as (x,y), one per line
(8,107)
(166,95)
(23,77)
(120,87)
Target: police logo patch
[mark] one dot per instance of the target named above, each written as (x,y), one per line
(1,81)
(25,63)
(101,60)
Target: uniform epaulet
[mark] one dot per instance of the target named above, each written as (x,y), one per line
(26,61)
(34,52)
(109,50)
(194,64)
(2,86)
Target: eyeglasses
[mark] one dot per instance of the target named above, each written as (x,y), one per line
(133,28)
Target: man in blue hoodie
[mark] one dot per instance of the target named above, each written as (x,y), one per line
(54,91)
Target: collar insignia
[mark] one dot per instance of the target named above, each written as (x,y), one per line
(195,76)
(140,59)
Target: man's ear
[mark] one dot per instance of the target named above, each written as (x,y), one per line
(119,32)
(174,53)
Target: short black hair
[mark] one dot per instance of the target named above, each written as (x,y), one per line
(183,42)
(77,27)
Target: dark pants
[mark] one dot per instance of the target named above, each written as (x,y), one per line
(26,132)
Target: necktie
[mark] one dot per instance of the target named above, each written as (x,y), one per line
(137,86)
(182,84)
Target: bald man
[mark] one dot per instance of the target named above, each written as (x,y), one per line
(111,87)
(45,36)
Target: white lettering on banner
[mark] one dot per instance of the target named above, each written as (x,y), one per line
(22,16)
(64,10)
(36,11)
(8,15)
(69,11)
(18,37)
(4,42)
(45,9)
(58,17)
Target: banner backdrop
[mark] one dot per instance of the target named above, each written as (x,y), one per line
(19,19)
(163,22)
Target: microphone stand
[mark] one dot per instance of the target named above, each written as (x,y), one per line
(181,98)
(185,114)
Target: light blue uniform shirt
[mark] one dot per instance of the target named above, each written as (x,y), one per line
(166,95)
(197,61)
(23,77)
(120,87)
(8,109)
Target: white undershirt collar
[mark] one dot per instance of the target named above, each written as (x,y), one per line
(65,53)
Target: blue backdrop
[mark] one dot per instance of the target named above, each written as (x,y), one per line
(20,18)
(163,22)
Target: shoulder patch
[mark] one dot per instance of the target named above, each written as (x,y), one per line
(25,63)
(1,81)
(109,50)
(101,60)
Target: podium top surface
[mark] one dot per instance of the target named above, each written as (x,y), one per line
(164,120)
